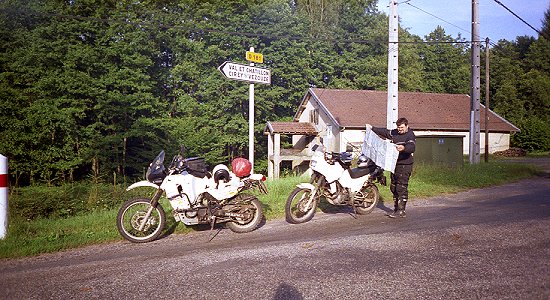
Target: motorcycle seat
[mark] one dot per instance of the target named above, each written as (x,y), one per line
(358,172)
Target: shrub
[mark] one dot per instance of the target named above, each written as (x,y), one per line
(35,202)
(534,135)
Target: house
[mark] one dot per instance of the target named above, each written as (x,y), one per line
(339,118)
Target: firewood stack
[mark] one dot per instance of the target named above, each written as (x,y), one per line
(512,152)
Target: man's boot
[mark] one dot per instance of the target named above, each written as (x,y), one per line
(401,212)
(395,211)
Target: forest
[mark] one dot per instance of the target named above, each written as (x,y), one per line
(94,89)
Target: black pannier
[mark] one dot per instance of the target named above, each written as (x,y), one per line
(196,166)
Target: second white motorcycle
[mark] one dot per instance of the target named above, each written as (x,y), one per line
(333,179)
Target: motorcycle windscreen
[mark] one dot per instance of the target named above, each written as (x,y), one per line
(156,171)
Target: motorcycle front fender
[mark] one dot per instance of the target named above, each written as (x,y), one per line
(307,186)
(143,183)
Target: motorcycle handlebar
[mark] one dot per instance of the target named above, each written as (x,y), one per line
(343,157)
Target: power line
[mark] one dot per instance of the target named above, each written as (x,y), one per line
(426,12)
(420,9)
(515,15)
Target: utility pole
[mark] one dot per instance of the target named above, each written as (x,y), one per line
(393,68)
(487,99)
(475,87)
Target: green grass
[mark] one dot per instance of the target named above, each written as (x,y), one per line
(538,154)
(428,180)
(274,201)
(28,237)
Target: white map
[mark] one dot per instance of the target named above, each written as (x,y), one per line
(381,151)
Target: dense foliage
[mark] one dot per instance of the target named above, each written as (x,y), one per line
(520,87)
(95,89)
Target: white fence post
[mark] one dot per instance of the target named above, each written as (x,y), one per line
(3,196)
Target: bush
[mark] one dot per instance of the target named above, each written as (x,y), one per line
(534,135)
(63,201)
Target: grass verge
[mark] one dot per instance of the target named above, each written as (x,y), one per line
(32,237)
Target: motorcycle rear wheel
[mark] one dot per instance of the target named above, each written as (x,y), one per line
(366,199)
(296,210)
(131,216)
(254,214)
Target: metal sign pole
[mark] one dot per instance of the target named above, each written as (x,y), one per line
(251,121)
(251,75)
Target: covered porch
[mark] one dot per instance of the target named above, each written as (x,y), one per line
(302,135)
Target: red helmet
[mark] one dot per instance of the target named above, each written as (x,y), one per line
(241,167)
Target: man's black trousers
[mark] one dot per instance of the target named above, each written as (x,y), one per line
(400,182)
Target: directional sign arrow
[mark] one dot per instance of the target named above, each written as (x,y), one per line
(245,73)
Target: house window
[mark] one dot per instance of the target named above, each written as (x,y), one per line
(314,116)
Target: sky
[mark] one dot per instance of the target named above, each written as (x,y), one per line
(421,17)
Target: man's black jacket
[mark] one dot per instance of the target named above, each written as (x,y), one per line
(407,139)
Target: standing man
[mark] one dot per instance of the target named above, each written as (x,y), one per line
(404,139)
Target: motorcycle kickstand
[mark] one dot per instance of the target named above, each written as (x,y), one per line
(354,214)
(212,236)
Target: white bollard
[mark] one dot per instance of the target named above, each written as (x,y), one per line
(3,196)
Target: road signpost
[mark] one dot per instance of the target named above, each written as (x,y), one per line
(251,75)
(254,57)
(245,73)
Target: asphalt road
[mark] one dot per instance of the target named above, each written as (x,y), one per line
(489,243)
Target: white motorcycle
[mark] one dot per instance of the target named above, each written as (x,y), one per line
(196,197)
(333,178)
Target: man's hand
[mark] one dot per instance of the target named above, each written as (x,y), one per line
(400,147)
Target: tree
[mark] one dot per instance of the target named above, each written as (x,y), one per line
(446,63)
(520,85)
(94,88)
(78,87)
(545,31)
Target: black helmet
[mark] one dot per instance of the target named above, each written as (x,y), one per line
(363,161)
(221,174)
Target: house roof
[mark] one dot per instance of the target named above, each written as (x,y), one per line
(300,128)
(425,111)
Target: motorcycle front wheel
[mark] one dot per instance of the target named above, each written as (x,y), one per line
(366,199)
(299,208)
(253,216)
(133,226)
